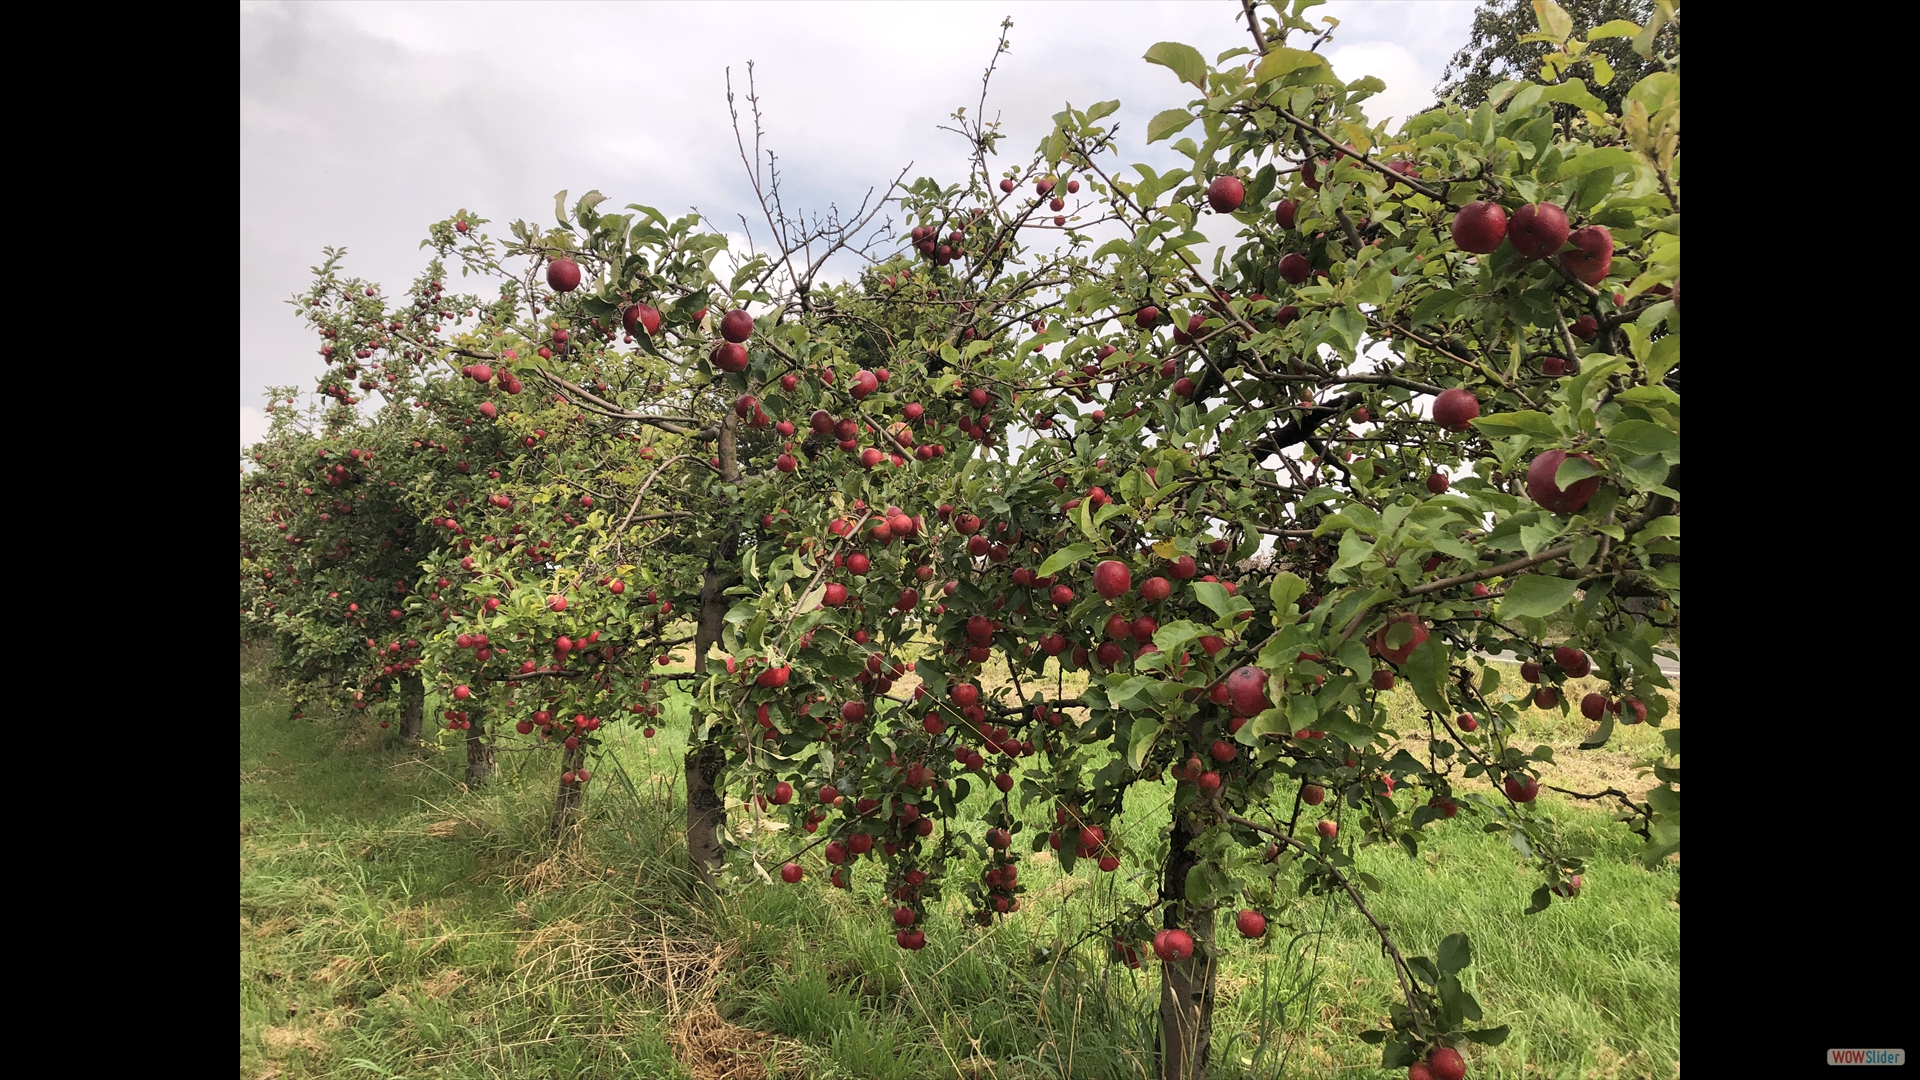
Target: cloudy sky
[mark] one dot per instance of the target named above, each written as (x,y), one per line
(361,123)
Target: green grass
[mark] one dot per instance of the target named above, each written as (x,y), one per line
(394,924)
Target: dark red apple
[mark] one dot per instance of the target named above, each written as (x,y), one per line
(1251,923)
(1454,409)
(1283,213)
(736,325)
(1225,194)
(1447,1064)
(1522,788)
(1592,255)
(1112,579)
(1479,227)
(563,275)
(1247,690)
(1542,489)
(1538,230)
(1295,268)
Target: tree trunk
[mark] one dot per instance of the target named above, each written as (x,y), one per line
(1187,986)
(413,703)
(706,810)
(570,790)
(479,753)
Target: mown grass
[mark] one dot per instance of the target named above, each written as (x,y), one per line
(394,924)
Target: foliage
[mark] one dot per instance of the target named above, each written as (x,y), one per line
(1508,43)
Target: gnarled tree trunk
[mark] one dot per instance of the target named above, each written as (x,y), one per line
(570,790)
(1186,986)
(706,810)
(413,704)
(479,753)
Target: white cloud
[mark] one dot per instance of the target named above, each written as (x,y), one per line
(361,123)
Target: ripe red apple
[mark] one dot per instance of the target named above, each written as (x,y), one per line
(1383,678)
(791,873)
(1146,317)
(1312,794)
(1438,483)
(1400,655)
(563,275)
(1225,194)
(1546,698)
(1522,788)
(1592,256)
(1447,1064)
(1467,722)
(1223,751)
(1283,213)
(1541,488)
(1419,1071)
(730,356)
(1209,784)
(1295,268)
(1251,923)
(1572,661)
(1454,409)
(1538,230)
(836,595)
(1172,946)
(736,325)
(1553,367)
(1184,568)
(1112,579)
(1328,829)
(1479,227)
(1247,690)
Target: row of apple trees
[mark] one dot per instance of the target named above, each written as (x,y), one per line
(1419,404)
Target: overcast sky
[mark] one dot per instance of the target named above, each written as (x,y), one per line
(361,123)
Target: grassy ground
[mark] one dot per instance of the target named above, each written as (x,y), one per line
(394,925)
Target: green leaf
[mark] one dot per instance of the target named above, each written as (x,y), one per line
(1572,471)
(1286,588)
(1614,29)
(1353,548)
(1144,732)
(1063,558)
(1492,1036)
(1212,594)
(1642,438)
(1283,61)
(1536,595)
(1171,637)
(1168,122)
(1553,19)
(1426,669)
(1102,109)
(1184,60)
(1196,889)
(1542,896)
(1600,736)
(1524,422)
(1455,953)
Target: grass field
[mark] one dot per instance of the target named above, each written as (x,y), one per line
(395,925)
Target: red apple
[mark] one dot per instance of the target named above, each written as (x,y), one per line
(1454,409)
(1312,794)
(1328,829)
(791,873)
(563,275)
(1479,227)
(1542,489)
(1538,230)
(1522,788)
(1592,256)
(1447,1064)
(1294,268)
(1225,194)
(1251,923)
(1247,690)
(1283,213)
(1112,579)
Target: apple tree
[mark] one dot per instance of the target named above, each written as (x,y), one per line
(1422,407)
